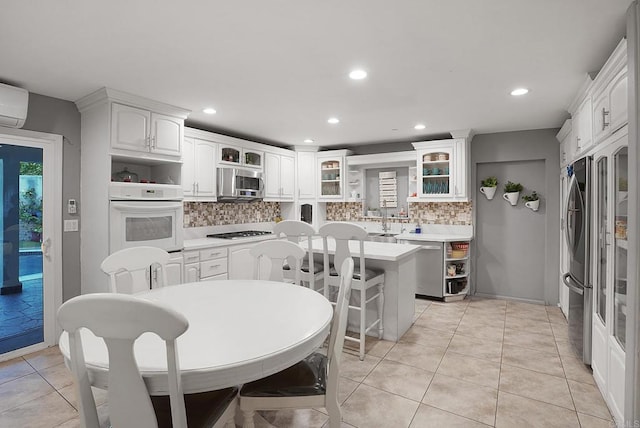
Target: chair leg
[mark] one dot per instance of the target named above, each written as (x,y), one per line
(363,319)
(380,303)
(335,417)
(248,419)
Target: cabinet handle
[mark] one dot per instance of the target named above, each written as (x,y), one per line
(147,141)
(197,187)
(153,142)
(605,113)
(578,142)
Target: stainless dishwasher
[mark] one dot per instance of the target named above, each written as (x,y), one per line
(430,268)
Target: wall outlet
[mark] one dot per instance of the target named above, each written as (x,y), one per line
(71,225)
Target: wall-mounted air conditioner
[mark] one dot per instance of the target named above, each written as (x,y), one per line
(13,106)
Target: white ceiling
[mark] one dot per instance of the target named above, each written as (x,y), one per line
(277,70)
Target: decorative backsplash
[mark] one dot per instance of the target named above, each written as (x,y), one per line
(454,213)
(199,214)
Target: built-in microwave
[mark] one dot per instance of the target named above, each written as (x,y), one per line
(239,185)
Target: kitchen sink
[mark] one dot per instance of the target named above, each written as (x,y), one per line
(382,237)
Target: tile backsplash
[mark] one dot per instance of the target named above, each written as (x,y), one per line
(199,214)
(452,213)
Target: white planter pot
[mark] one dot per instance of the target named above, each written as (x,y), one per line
(512,197)
(533,205)
(489,192)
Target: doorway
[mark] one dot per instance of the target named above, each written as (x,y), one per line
(31,285)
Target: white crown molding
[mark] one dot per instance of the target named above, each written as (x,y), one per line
(104,95)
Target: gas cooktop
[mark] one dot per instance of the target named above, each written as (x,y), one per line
(241,234)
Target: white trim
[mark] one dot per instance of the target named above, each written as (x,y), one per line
(52,154)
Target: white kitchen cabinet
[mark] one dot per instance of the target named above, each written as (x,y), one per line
(238,156)
(174,269)
(609,270)
(582,134)
(204,264)
(307,175)
(199,169)
(279,177)
(442,170)
(331,170)
(140,130)
(241,262)
(564,136)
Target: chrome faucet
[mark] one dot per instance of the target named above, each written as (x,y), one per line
(384,215)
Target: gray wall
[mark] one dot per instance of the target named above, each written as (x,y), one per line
(56,116)
(510,147)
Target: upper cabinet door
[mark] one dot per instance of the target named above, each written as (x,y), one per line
(287,177)
(306,175)
(129,128)
(618,101)
(188,167)
(166,134)
(205,174)
(584,137)
(272,175)
(601,116)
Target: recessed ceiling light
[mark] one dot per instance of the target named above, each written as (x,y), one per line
(209,110)
(308,140)
(358,74)
(519,91)
(419,126)
(333,120)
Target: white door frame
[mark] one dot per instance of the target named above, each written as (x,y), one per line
(51,145)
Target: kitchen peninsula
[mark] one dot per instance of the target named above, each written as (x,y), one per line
(399,264)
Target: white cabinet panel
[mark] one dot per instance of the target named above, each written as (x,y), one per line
(166,134)
(129,127)
(188,167)
(618,95)
(279,177)
(287,177)
(272,175)
(199,169)
(442,170)
(306,175)
(192,272)
(241,263)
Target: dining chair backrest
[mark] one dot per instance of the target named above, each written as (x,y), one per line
(120,319)
(342,233)
(339,326)
(296,231)
(278,252)
(127,268)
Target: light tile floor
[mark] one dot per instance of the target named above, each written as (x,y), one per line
(474,363)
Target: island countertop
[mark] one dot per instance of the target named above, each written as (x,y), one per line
(372,250)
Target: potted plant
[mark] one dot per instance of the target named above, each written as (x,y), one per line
(512,192)
(30,213)
(532,201)
(489,186)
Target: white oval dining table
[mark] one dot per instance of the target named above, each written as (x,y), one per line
(239,331)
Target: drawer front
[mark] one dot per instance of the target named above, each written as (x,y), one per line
(213,253)
(213,267)
(220,277)
(191,256)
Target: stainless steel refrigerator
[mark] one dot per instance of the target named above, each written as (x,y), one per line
(578,279)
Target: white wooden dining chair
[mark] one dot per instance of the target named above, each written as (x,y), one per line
(277,252)
(364,279)
(297,231)
(120,319)
(127,269)
(311,383)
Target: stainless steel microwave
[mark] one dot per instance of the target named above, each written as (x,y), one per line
(239,185)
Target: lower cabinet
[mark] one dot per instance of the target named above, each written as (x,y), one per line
(241,263)
(174,269)
(205,264)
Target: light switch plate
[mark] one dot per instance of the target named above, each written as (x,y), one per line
(71,225)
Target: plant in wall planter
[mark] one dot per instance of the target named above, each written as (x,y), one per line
(532,201)
(489,186)
(512,192)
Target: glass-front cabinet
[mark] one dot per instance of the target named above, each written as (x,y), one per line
(331,175)
(232,155)
(609,272)
(442,170)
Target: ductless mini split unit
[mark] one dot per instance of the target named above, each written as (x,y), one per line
(13,106)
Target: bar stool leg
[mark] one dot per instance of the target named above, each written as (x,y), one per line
(380,303)
(363,320)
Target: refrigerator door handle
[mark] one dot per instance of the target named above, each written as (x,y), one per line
(568,230)
(566,278)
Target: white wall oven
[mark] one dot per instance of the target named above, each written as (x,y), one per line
(145,214)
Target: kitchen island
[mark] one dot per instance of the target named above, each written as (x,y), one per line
(399,264)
